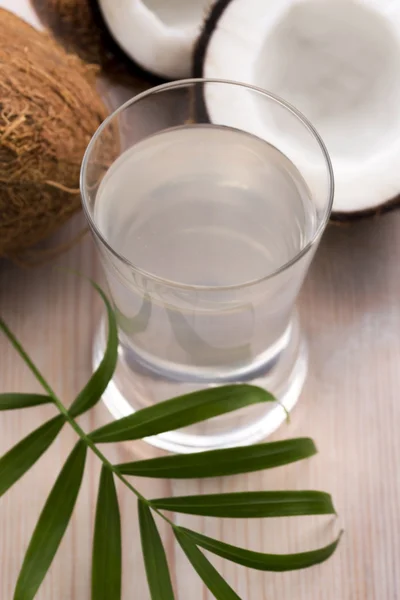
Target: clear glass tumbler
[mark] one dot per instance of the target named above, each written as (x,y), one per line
(207,199)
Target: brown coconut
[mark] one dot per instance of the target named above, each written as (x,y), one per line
(49,109)
(79,26)
(74,24)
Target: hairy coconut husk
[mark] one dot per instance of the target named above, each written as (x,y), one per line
(79,26)
(49,109)
(73,24)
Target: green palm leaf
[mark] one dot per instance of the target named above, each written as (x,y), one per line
(97,384)
(259,560)
(215,463)
(107,550)
(170,415)
(13,401)
(208,573)
(155,560)
(180,412)
(250,504)
(52,525)
(17,461)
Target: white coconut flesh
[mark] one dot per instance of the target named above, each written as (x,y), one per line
(338,62)
(159,35)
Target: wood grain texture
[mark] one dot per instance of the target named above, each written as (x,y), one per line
(350,307)
(351,311)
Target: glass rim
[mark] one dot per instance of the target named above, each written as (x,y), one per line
(182,83)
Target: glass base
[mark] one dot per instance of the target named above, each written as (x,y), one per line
(134,387)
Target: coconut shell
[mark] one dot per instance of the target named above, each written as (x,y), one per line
(339,218)
(49,110)
(199,56)
(79,26)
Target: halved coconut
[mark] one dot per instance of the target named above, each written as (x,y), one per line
(159,35)
(337,61)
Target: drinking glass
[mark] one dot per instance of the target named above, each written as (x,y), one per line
(207,200)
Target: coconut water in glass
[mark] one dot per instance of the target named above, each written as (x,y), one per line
(206,230)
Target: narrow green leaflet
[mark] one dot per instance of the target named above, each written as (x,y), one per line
(52,525)
(17,461)
(215,463)
(208,573)
(155,560)
(259,560)
(251,504)
(100,379)
(13,401)
(107,550)
(180,412)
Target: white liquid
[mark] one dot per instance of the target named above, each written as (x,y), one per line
(205,206)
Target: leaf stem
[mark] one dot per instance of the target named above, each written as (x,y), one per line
(105,460)
(78,430)
(21,351)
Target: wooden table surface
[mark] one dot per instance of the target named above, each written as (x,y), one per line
(350,306)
